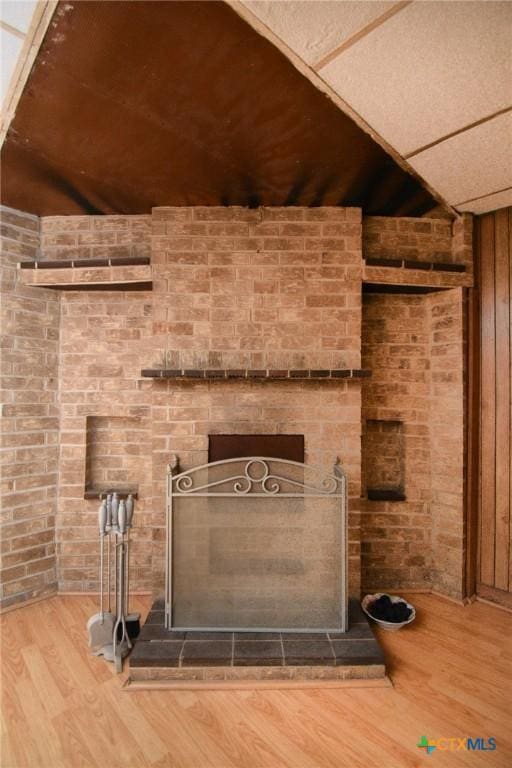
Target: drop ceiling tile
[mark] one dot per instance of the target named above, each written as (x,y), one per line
(431,69)
(490,203)
(314,29)
(17,13)
(471,164)
(10,46)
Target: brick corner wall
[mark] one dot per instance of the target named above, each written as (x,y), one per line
(447,438)
(396,535)
(420,239)
(414,345)
(30,419)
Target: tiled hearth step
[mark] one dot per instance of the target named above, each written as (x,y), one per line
(161,655)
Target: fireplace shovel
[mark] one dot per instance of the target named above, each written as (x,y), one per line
(101,626)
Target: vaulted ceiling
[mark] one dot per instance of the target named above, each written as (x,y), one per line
(433,80)
(135,104)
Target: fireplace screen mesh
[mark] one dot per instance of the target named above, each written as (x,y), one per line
(256,544)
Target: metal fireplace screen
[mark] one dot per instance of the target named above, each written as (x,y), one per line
(256,544)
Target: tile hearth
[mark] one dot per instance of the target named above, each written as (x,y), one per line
(161,655)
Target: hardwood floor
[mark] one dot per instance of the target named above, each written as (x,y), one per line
(61,707)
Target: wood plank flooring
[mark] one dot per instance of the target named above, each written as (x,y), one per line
(61,707)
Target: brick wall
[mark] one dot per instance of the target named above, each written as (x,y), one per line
(267,288)
(29,369)
(94,237)
(231,288)
(104,338)
(446,311)
(408,238)
(238,288)
(414,346)
(396,536)
(273,287)
(462,241)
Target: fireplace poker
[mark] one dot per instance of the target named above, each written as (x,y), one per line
(132,619)
(109,565)
(120,645)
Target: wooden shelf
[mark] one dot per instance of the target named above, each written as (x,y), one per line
(102,493)
(261,375)
(127,274)
(425,266)
(424,276)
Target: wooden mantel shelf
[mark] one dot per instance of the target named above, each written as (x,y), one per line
(129,274)
(427,266)
(402,272)
(263,374)
(102,493)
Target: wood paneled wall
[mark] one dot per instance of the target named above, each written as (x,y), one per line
(494,254)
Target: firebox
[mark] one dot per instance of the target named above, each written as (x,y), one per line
(289,447)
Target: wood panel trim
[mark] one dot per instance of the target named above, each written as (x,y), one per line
(473,425)
(388,14)
(482,197)
(465,128)
(495,596)
(510,395)
(494,263)
(487,406)
(250,685)
(12,30)
(502,325)
(40,22)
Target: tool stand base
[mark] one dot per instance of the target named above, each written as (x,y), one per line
(107,651)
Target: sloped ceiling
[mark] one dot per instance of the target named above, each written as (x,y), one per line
(15,20)
(135,104)
(433,80)
(428,82)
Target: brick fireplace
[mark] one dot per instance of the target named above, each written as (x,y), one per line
(259,322)
(266,289)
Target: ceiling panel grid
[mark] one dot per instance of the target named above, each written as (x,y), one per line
(416,73)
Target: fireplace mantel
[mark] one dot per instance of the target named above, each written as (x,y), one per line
(289,374)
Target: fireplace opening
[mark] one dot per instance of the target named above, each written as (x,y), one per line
(287,447)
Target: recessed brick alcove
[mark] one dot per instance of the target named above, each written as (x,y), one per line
(384,459)
(114,447)
(234,289)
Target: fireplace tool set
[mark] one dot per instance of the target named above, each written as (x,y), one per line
(111,633)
